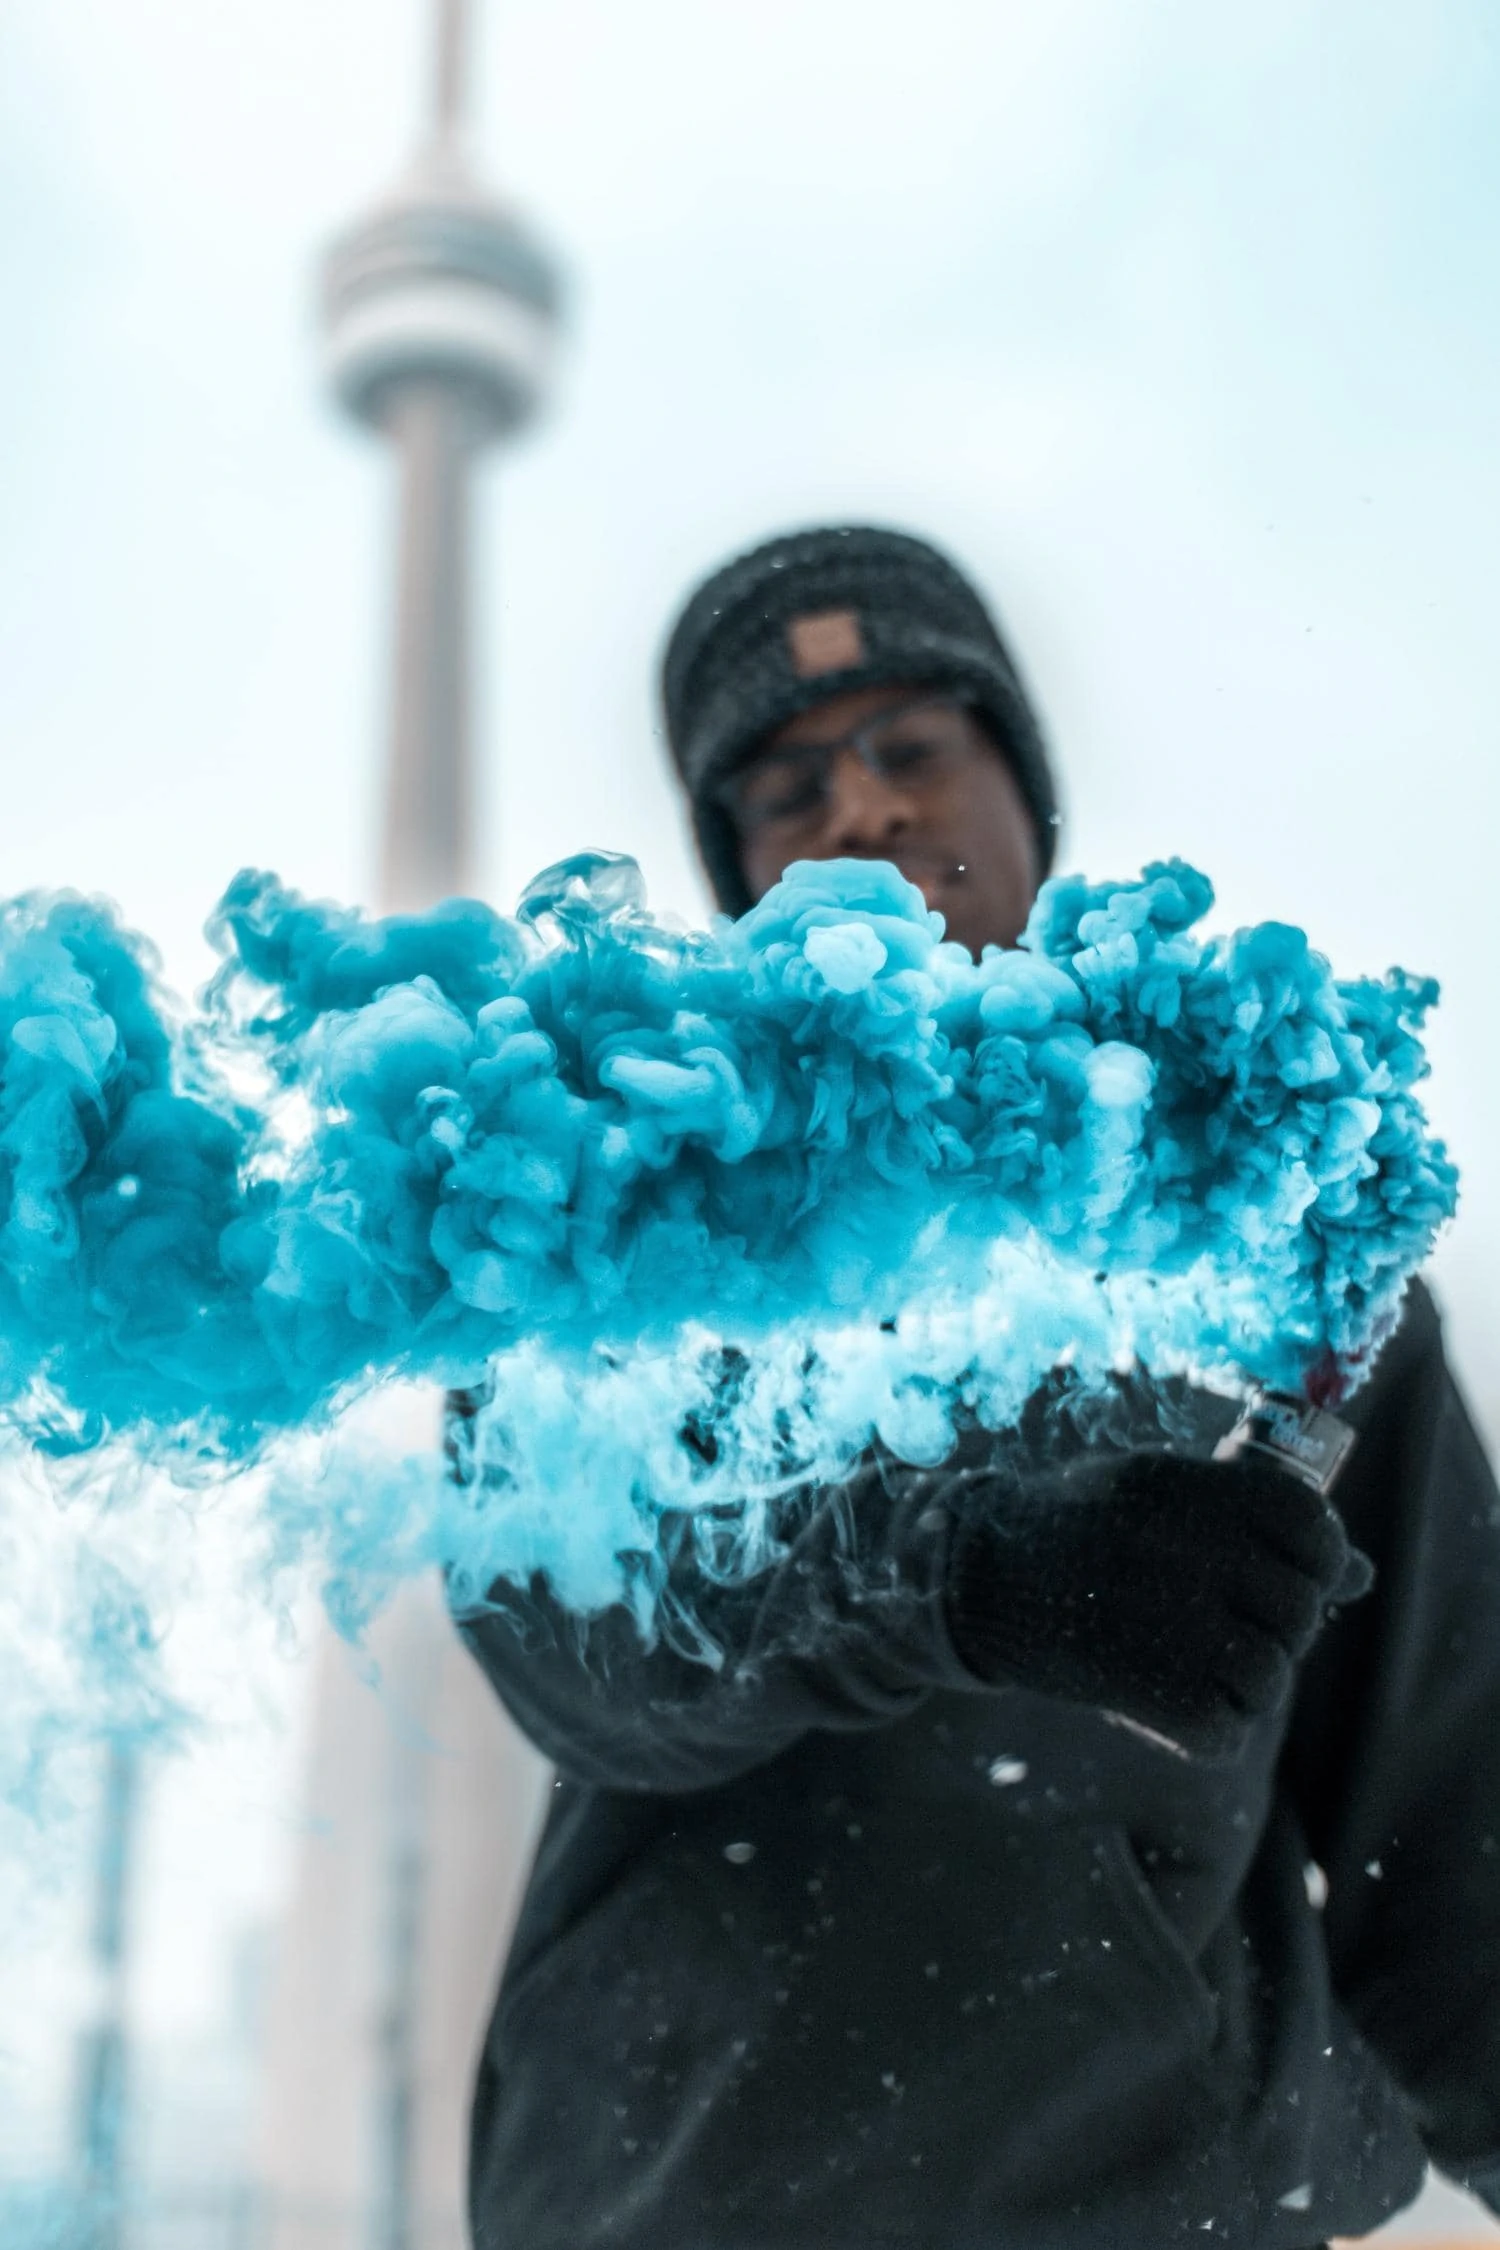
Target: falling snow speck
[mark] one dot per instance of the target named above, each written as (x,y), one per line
(1005,1773)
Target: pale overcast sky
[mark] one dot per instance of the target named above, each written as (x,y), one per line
(1180,325)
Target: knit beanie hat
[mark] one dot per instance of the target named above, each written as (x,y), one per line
(811,615)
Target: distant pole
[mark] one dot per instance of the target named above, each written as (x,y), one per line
(104,2059)
(401,1901)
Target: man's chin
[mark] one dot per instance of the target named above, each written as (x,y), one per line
(937,879)
(964,922)
(942,887)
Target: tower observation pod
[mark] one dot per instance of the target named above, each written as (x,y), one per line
(440,316)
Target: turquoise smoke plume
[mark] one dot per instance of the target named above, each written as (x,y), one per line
(581,1124)
(898,1184)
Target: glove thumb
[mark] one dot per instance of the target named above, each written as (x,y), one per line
(1355,1579)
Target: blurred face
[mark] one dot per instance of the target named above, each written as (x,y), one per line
(899,773)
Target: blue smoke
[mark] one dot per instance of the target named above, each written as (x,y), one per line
(703,1211)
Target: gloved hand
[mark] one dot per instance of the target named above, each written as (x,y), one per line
(1177,1592)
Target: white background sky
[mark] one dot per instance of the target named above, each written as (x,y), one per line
(1179,325)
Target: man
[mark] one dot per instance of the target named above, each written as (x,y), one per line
(1070,1847)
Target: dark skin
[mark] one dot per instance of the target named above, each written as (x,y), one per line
(967,841)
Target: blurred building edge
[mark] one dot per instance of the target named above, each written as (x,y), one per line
(422,1800)
(421,1806)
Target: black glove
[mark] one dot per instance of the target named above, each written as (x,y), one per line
(1177,1592)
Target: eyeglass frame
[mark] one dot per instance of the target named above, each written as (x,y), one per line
(824,754)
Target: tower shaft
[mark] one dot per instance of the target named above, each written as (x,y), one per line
(429,813)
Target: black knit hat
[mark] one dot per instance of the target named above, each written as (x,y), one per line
(811,615)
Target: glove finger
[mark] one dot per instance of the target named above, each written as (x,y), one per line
(1278,1599)
(1358,1578)
(1300,1525)
(1252,1670)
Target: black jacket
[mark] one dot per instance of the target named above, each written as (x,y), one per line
(833,1949)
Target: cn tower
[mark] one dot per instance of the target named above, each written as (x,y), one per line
(439,317)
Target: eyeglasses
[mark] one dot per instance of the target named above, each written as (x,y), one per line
(914,747)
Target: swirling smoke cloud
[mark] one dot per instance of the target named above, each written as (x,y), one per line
(702,1212)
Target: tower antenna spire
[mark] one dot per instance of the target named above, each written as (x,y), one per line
(450,78)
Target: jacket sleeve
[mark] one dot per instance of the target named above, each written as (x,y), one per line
(1393,1756)
(846,1630)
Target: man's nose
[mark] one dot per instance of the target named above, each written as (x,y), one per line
(863,809)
